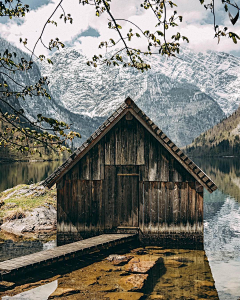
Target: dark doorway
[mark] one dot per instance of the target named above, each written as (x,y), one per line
(121,196)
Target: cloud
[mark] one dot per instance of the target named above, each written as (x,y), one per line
(87,30)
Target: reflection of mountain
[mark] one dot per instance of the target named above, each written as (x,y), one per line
(225,172)
(221,243)
(212,204)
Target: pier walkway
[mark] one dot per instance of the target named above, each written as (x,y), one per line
(19,265)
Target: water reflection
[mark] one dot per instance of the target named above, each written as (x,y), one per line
(222,245)
(222,225)
(12,174)
(225,172)
(12,246)
(39,293)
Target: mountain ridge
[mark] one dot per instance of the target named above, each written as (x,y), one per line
(98,92)
(221,140)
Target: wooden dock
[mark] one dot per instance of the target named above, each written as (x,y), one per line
(12,267)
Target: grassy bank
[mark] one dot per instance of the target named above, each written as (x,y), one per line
(18,201)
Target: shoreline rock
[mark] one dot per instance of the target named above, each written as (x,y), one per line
(41,219)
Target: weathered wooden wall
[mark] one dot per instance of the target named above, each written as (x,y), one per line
(129,179)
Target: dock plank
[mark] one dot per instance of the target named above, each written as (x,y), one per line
(15,266)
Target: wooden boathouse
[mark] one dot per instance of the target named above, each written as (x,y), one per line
(129,176)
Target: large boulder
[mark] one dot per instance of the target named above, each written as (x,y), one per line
(41,219)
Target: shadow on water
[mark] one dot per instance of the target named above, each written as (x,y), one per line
(182,274)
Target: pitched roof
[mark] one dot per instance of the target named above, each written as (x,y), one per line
(129,105)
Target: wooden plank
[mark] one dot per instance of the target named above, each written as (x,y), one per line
(95,207)
(110,145)
(21,265)
(81,206)
(154,207)
(140,144)
(183,206)
(146,227)
(84,168)
(199,211)
(135,200)
(161,211)
(86,190)
(74,204)
(141,205)
(169,206)
(176,206)
(146,156)
(109,194)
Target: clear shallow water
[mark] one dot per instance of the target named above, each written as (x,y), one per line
(221,227)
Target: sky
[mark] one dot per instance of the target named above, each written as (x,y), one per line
(87,30)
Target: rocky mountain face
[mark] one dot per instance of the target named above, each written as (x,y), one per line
(183,96)
(179,95)
(42,105)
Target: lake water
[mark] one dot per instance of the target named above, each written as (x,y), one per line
(221,220)
(12,174)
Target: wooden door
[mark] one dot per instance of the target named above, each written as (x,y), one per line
(127,196)
(121,196)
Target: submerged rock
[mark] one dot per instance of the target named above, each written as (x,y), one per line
(136,265)
(172,263)
(123,296)
(63,292)
(133,282)
(117,259)
(156,297)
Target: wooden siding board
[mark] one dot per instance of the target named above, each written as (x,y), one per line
(146,227)
(170,190)
(176,205)
(81,206)
(88,205)
(199,211)
(141,205)
(140,144)
(183,206)
(109,191)
(110,144)
(154,207)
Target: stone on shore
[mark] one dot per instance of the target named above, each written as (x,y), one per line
(41,219)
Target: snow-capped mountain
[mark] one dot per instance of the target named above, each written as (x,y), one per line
(183,96)
(177,94)
(216,74)
(42,105)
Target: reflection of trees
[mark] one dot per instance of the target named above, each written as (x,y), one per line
(225,172)
(17,173)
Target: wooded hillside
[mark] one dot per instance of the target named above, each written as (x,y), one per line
(221,140)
